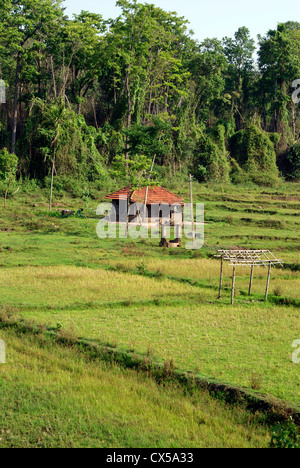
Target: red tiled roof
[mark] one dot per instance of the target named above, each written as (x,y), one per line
(120,194)
(156,195)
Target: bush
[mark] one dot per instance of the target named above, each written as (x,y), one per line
(254,152)
(29,185)
(8,164)
(8,168)
(292,163)
(213,160)
(285,436)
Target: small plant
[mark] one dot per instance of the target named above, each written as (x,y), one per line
(278,291)
(256,381)
(8,168)
(285,436)
(159,273)
(122,267)
(229,220)
(169,369)
(142,268)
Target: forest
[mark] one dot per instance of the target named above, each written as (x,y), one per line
(89,100)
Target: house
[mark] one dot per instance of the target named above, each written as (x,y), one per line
(161,203)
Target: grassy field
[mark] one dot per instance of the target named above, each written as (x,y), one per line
(138,297)
(54,397)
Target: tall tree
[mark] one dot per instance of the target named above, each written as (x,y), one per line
(239,52)
(26,24)
(279,62)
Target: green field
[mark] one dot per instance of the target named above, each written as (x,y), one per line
(53,397)
(140,298)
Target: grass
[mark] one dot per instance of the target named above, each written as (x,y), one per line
(137,296)
(215,340)
(54,397)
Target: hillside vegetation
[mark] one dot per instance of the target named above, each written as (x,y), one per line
(88,99)
(139,297)
(119,342)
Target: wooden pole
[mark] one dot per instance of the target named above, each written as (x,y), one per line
(163,242)
(145,204)
(251,280)
(268,282)
(221,278)
(178,229)
(147,189)
(127,216)
(192,210)
(52,177)
(233,284)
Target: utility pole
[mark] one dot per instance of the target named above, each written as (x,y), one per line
(192,210)
(147,189)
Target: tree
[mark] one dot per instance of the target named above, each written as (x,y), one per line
(239,52)
(82,49)
(8,169)
(253,150)
(144,60)
(279,62)
(26,24)
(64,142)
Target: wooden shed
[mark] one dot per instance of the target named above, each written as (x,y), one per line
(155,198)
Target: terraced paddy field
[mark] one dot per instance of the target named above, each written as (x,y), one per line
(163,303)
(54,397)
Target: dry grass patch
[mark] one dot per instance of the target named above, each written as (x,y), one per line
(62,285)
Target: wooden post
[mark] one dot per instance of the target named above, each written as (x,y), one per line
(178,230)
(251,280)
(145,204)
(127,216)
(268,282)
(221,278)
(163,242)
(233,284)
(192,210)
(52,177)
(147,189)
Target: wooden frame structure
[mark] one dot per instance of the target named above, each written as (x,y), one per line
(251,259)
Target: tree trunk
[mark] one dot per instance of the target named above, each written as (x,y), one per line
(128,125)
(15,108)
(52,177)
(6,192)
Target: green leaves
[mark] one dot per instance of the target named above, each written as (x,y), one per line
(254,151)
(8,165)
(141,85)
(137,172)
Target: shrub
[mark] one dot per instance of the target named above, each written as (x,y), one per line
(292,163)
(285,436)
(8,168)
(254,151)
(213,160)
(256,381)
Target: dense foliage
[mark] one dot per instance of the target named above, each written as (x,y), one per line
(84,93)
